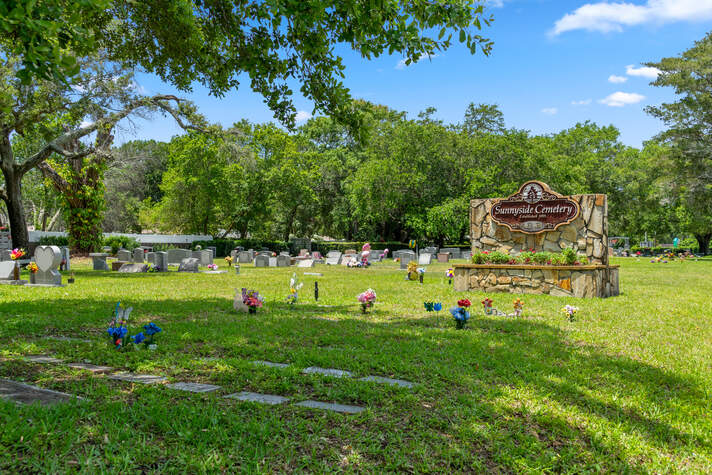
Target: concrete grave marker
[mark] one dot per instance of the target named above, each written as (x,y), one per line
(7,269)
(305,263)
(138,255)
(66,258)
(130,268)
(273,262)
(338,373)
(48,259)
(283,261)
(175,256)
(138,378)
(99,260)
(151,258)
(424,259)
(256,397)
(331,407)
(161,261)
(392,382)
(194,387)
(270,364)
(191,264)
(96,369)
(244,257)
(122,255)
(261,261)
(26,394)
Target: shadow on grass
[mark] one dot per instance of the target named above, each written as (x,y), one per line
(482,367)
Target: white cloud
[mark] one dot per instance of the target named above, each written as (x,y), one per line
(302,116)
(617,79)
(85,123)
(582,102)
(643,71)
(401,64)
(605,16)
(549,110)
(620,99)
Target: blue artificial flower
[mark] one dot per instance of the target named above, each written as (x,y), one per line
(151,329)
(438,306)
(138,338)
(117,332)
(460,314)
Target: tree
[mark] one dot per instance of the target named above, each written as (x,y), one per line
(214,42)
(689,133)
(483,119)
(50,114)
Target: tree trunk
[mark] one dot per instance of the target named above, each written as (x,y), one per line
(704,241)
(15,212)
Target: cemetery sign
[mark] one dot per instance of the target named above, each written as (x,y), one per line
(535,208)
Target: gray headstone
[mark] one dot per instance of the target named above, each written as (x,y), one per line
(424,259)
(161,259)
(273,262)
(466,255)
(213,250)
(261,261)
(204,256)
(130,268)
(305,263)
(256,397)
(244,257)
(151,258)
(7,269)
(48,259)
(338,373)
(5,255)
(122,255)
(174,256)
(194,387)
(454,252)
(138,255)
(26,394)
(137,378)
(331,407)
(91,367)
(333,261)
(392,382)
(283,261)
(270,364)
(405,259)
(66,258)
(191,264)
(98,260)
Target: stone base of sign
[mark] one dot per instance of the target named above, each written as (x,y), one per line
(561,281)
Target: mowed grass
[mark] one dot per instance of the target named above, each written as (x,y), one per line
(624,388)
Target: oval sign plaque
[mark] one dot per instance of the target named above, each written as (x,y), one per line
(534,209)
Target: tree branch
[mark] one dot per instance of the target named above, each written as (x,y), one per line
(48,172)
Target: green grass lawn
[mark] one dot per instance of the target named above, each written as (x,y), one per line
(625,387)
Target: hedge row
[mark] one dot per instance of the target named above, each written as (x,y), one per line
(652,251)
(114,242)
(223,247)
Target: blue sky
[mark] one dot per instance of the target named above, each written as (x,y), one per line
(554,63)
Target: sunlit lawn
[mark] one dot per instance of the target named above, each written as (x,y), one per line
(625,387)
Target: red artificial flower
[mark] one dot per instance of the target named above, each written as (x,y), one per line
(463,303)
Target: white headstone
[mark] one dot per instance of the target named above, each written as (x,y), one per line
(48,259)
(424,259)
(7,268)
(305,263)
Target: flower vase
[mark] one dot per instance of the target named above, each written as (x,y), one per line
(364,307)
(237,269)
(252,310)
(32,277)
(460,324)
(16,272)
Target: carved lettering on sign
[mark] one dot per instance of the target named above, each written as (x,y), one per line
(534,209)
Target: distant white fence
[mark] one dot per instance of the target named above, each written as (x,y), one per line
(147,239)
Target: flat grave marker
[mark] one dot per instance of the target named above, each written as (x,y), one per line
(257,397)
(392,382)
(27,394)
(138,378)
(194,387)
(337,373)
(327,406)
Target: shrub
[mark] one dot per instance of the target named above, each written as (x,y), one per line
(118,242)
(61,241)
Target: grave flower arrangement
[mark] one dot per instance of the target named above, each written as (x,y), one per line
(228,260)
(147,335)
(367,299)
(293,289)
(433,306)
(118,326)
(450,274)
(17,253)
(32,267)
(384,254)
(487,306)
(570,312)
(252,299)
(213,266)
(412,270)
(518,307)
(460,313)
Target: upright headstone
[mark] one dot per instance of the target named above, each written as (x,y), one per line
(99,260)
(176,256)
(305,263)
(5,240)
(138,255)
(405,259)
(7,270)
(235,254)
(122,255)
(161,261)
(333,258)
(151,258)
(273,262)
(261,261)
(133,268)
(204,256)
(66,258)
(48,259)
(424,259)
(443,257)
(454,252)
(5,255)
(245,257)
(283,261)
(189,264)
(213,249)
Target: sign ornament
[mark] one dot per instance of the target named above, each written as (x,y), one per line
(534,209)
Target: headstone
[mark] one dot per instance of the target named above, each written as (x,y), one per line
(66,258)
(273,262)
(338,373)
(138,255)
(194,387)
(5,255)
(99,260)
(443,257)
(392,382)
(454,252)
(48,259)
(424,259)
(175,256)
(5,240)
(333,258)
(151,258)
(213,250)
(305,263)
(283,261)
(269,364)
(96,369)
(122,255)
(261,261)
(26,394)
(405,259)
(430,250)
(137,378)
(131,268)
(244,257)
(331,407)
(206,257)
(43,359)
(190,264)
(7,269)
(161,261)
(235,254)
(256,397)
(116,265)
(466,255)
